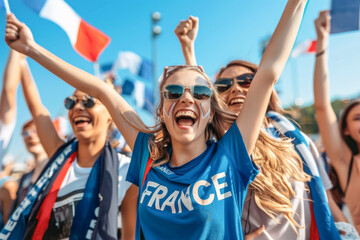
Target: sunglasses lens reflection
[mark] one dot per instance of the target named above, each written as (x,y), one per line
(173,92)
(202,92)
(69,103)
(224,84)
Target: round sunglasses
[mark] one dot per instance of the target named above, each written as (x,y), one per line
(71,101)
(224,84)
(175,91)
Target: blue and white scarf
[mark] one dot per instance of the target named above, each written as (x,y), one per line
(96,213)
(323,217)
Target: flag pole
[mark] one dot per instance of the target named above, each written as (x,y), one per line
(7,7)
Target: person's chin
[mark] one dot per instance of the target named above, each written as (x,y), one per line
(236,108)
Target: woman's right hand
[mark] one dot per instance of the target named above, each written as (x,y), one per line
(18,36)
(322,25)
(187,30)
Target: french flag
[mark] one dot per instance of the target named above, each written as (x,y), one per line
(88,41)
(308,46)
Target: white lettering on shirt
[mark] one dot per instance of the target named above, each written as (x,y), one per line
(220,186)
(200,201)
(203,192)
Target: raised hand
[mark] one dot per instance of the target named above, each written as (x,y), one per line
(322,25)
(18,36)
(187,30)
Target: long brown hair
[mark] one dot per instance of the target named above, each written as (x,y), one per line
(278,162)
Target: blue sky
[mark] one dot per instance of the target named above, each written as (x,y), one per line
(229,29)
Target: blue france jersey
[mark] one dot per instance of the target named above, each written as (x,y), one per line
(202,199)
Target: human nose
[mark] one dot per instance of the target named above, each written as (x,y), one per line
(78,105)
(187,97)
(236,88)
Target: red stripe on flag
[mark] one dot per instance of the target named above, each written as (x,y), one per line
(90,42)
(312,47)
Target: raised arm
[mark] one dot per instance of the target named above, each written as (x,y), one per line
(271,66)
(335,147)
(186,31)
(11,80)
(41,116)
(18,36)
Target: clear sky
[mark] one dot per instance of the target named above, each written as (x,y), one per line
(229,29)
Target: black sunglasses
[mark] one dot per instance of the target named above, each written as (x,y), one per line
(224,84)
(175,91)
(71,101)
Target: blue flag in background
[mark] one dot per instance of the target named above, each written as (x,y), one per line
(345,15)
(143,95)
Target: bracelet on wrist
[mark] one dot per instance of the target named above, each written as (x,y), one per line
(320,53)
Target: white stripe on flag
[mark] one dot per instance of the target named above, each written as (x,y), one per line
(129,60)
(139,93)
(62,14)
(301,48)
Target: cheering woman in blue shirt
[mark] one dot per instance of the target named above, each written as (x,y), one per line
(190,186)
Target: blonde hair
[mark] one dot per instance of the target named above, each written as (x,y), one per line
(278,162)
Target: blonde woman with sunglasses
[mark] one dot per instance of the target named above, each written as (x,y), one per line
(192,187)
(278,201)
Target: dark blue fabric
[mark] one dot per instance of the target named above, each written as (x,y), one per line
(85,210)
(323,217)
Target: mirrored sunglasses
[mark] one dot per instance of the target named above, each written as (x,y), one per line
(224,84)
(71,101)
(175,91)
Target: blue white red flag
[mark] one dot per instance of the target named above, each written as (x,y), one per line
(88,41)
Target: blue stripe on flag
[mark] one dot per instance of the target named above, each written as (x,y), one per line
(128,87)
(344,15)
(107,67)
(36,5)
(146,69)
(2,5)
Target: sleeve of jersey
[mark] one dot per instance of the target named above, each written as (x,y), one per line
(123,185)
(233,143)
(140,148)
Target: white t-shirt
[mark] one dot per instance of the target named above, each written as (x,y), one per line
(72,191)
(6,132)
(254,217)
